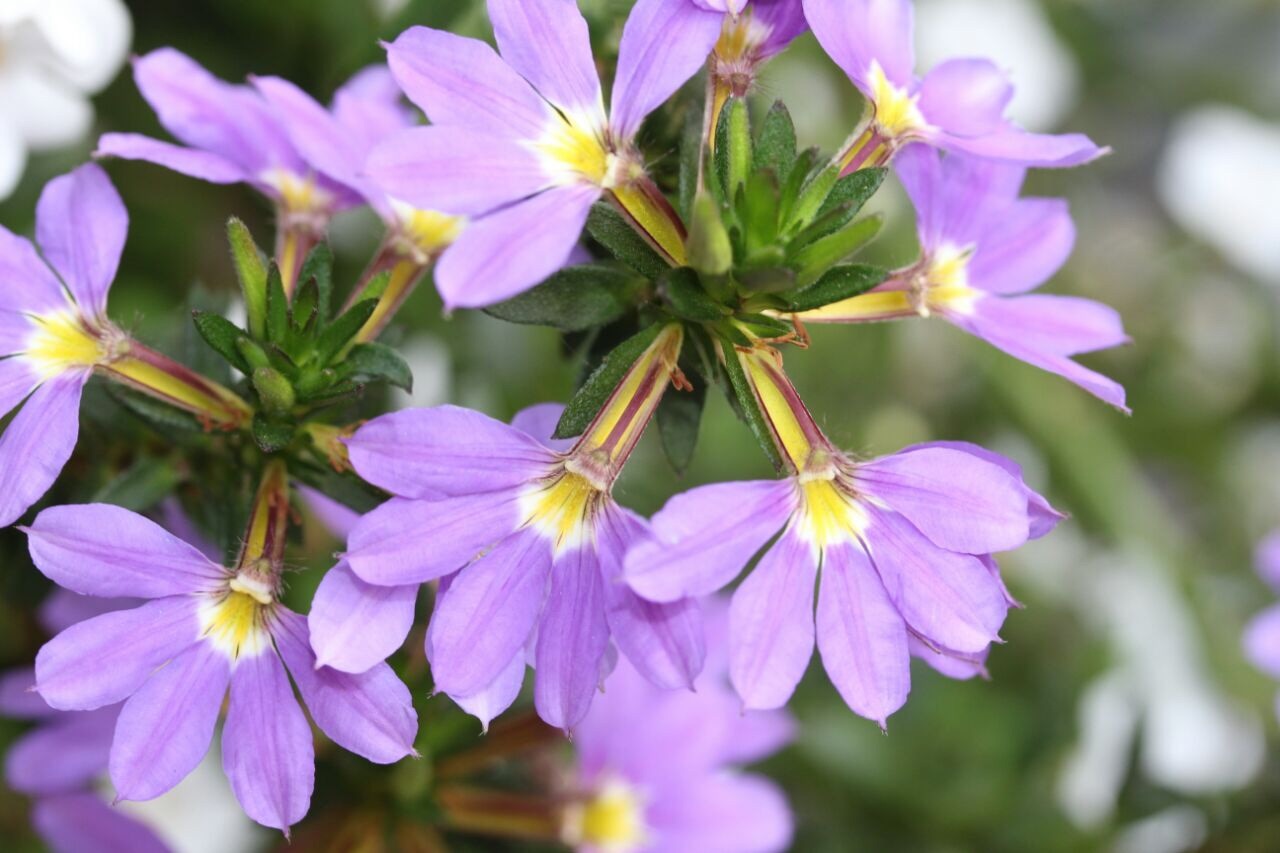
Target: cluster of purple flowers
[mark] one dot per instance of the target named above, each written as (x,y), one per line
(532,562)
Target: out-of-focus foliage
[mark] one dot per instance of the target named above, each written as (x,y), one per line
(1181,490)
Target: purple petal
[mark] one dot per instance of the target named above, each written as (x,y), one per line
(491,607)
(29,285)
(17,380)
(334,516)
(371,107)
(1044,518)
(664,43)
(108,551)
(1029,242)
(703,538)
(499,695)
(458,169)
(1015,145)
(370,714)
(961,668)
(959,200)
(327,146)
(508,252)
(725,812)
(1262,641)
(64,754)
(663,641)
(539,421)
(855,33)
(1066,325)
(547,42)
(991,323)
(755,735)
(462,81)
(356,625)
(410,542)
(950,599)
(165,728)
(445,450)
(191,162)
(175,520)
(203,112)
(80,823)
(785,20)
(862,639)
(81,226)
(1267,559)
(961,502)
(572,636)
(966,97)
(103,660)
(38,442)
(771,624)
(64,608)
(18,699)
(267,752)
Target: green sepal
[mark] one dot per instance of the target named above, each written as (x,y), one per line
(338,333)
(375,361)
(274,391)
(764,326)
(709,248)
(251,270)
(222,337)
(809,201)
(143,485)
(271,437)
(687,298)
(253,355)
(733,146)
(812,262)
(679,416)
(687,188)
(318,267)
(160,415)
(806,162)
(757,207)
(839,283)
(745,404)
(853,191)
(277,308)
(610,228)
(575,298)
(595,392)
(776,143)
(374,287)
(305,310)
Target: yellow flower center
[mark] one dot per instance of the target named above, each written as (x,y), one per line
(236,623)
(61,342)
(945,282)
(611,821)
(897,112)
(301,199)
(561,509)
(828,514)
(574,151)
(427,231)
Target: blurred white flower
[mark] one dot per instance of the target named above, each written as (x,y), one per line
(1218,178)
(53,55)
(201,814)
(428,358)
(1016,35)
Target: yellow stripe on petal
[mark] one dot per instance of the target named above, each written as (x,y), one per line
(877,305)
(61,342)
(897,111)
(611,821)
(829,514)
(236,625)
(562,510)
(574,151)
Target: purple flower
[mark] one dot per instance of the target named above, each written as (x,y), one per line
(203,629)
(959,105)
(753,31)
(527,545)
(657,768)
(58,761)
(522,142)
(54,333)
(902,543)
(982,249)
(1262,637)
(230,134)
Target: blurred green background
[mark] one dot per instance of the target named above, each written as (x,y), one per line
(1120,713)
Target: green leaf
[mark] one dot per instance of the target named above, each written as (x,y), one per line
(277,308)
(274,391)
(318,267)
(165,418)
(687,299)
(812,197)
(251,270)
(305,308)
(795,181)
(709,249)
(776,144)
(222,336)
(374,287)
(757,206)
(271,437)
(745,403)
(336,335)
(854,190)
(595,392)
(375,361)
(733,146)
(140,487)
(688,186)
(574,299)
(611,230)
(814,260)
(679,415)
(764,326)
(839,283)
